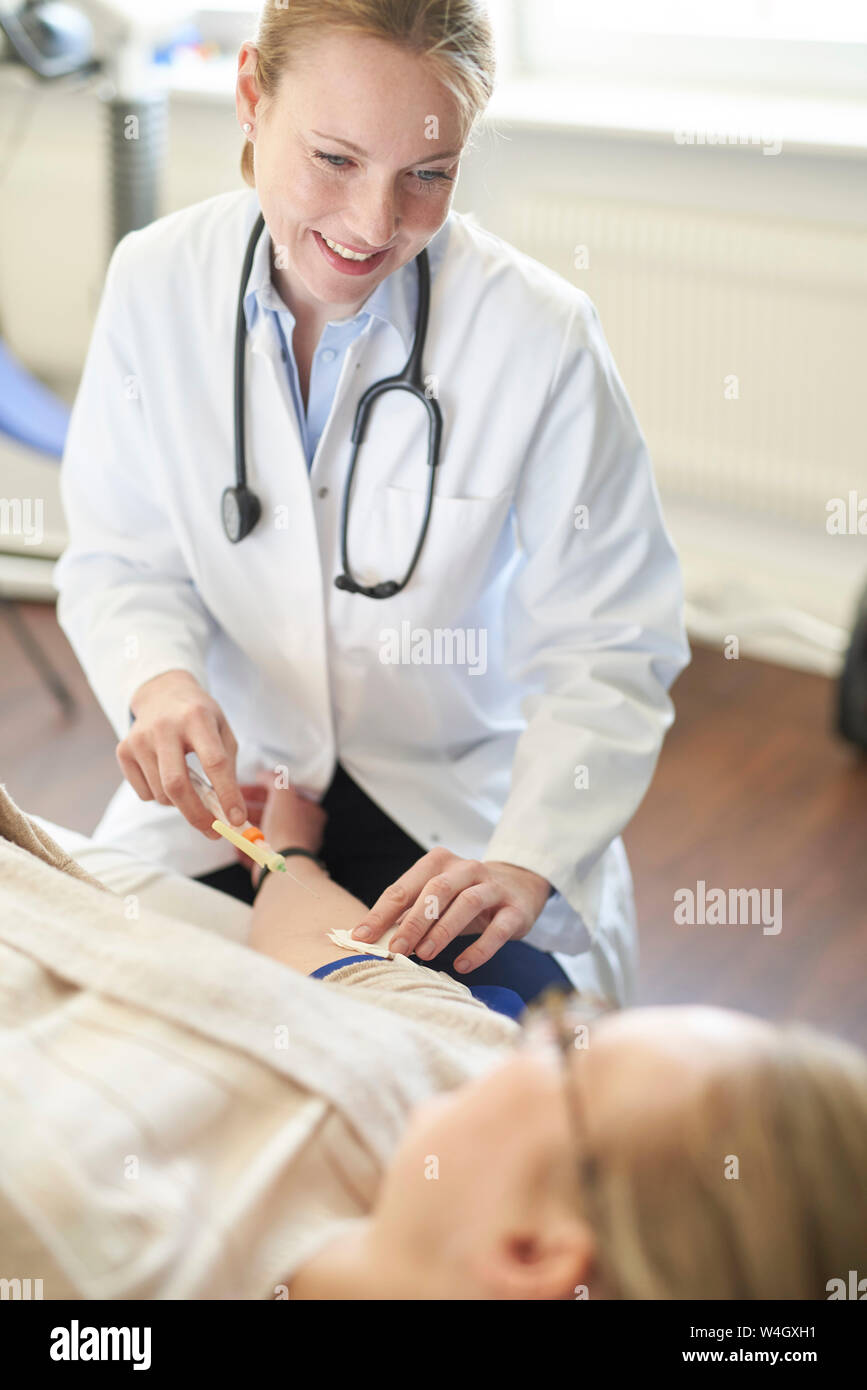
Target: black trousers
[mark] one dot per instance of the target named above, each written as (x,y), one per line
(365,851)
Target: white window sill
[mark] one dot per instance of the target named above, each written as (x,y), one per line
(803,123)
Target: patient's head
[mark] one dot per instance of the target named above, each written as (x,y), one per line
(683,1153)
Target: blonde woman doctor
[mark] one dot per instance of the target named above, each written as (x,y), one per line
(480,737)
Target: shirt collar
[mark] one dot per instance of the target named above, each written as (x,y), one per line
(394,301)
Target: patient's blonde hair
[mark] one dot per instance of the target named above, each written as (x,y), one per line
(670,1225)
(453,35)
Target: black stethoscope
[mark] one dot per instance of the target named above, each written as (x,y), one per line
(241,508)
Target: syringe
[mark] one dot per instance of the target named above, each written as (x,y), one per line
(247,837)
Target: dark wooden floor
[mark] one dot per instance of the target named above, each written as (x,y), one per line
(752,791)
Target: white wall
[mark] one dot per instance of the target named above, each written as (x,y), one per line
(54,223)
(53,249)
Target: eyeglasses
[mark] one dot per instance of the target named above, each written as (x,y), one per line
(565,1019)
(566,1016)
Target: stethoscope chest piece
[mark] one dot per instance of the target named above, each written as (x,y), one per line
(241,510)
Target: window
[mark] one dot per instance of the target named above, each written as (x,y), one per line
(799,45)
(804,49)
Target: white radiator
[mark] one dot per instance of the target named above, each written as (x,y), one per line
(691,301)
(742,342)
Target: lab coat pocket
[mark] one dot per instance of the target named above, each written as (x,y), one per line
(462,537)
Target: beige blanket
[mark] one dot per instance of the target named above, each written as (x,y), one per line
(169,1099)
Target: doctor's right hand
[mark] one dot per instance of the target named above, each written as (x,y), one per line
(175,716)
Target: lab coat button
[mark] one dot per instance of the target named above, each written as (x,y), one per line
(323,492)
(327,354)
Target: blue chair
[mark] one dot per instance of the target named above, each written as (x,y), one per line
(31,414)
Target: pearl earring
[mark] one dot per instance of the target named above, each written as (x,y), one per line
(246,127)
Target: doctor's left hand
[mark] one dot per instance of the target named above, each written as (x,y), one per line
(443,896)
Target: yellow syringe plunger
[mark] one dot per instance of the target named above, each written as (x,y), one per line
(262,855)
(261,852)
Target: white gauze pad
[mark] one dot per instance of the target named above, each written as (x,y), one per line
(347,942)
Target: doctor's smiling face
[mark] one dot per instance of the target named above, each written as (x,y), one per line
(356,158)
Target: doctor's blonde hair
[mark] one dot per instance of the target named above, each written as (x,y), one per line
(454,36)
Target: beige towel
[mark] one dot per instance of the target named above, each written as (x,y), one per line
(258,1106)
(21,830)
(51,910)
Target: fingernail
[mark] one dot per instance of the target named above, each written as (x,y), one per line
(462,965)
(424,950)
(236,816)
(363,933)
(397,946)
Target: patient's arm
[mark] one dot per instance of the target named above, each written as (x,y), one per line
(292,925)
(292,919)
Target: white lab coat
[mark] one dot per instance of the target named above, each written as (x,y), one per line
(541,758)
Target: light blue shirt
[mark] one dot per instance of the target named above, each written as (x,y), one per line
(387,302)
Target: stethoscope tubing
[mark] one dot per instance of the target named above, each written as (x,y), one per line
(410,379)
